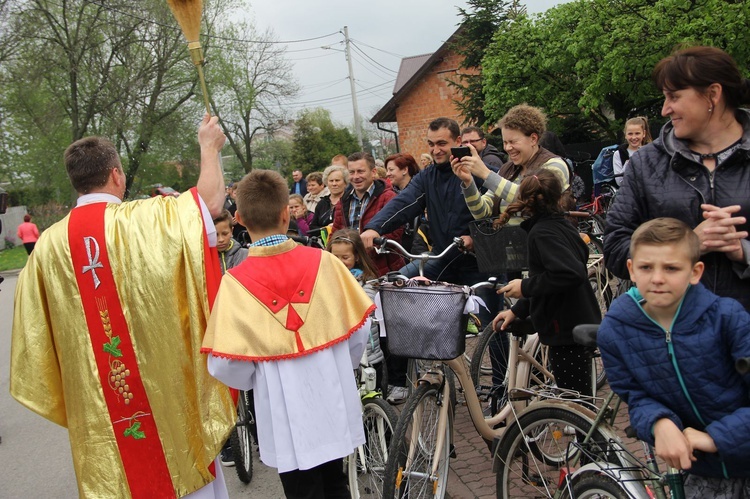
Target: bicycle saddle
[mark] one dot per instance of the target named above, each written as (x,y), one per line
(585,334)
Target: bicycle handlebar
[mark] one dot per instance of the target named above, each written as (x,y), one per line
(385,243)
(307,240)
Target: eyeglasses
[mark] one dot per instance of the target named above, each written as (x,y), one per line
(471,141)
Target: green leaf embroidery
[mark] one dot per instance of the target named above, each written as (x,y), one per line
(111,347)
(133,431)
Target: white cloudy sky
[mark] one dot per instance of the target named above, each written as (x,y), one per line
(383,31)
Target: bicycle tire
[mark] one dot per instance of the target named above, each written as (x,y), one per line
(415,482)
(241,441)
(598,486)
(415,368)
(486,355)
(531,470)
(366,478)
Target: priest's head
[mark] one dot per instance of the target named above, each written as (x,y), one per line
(93,165)
(262,198)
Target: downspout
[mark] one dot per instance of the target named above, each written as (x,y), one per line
(395,135)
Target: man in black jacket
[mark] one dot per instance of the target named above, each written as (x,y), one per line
(437,190)
(490,155)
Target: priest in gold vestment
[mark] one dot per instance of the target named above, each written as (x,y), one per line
(109,317)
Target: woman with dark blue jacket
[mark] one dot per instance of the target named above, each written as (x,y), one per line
(697,171)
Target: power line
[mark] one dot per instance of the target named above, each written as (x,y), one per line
(379,50)
(313,57)
(215,37)
(373,60)
(342,96)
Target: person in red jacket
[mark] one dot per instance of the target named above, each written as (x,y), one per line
(366,196)
(28,233)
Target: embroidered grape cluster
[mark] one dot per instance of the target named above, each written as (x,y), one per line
(117,376)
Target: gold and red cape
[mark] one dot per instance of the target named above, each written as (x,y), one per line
(159,257)
(283,302)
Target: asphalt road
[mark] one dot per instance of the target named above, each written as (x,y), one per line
(35,460)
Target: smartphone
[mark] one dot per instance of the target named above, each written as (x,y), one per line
(460,152)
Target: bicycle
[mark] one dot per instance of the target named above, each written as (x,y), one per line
(627,476)
(592,462)
(244,435)
(365,467)
(420,451)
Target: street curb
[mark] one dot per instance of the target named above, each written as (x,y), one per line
(10,273)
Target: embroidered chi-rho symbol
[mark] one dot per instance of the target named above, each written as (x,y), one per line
(94,262)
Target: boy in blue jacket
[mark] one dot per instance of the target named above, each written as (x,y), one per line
(669,347)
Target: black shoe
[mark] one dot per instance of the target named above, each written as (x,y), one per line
(227,457)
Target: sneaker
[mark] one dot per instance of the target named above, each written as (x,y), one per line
(398,395)
(472,328)
(227,457)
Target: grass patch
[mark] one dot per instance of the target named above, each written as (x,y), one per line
(11,259)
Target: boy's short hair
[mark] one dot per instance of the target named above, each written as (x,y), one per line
(261,197)
(340,159)
(224,216)
(666,230)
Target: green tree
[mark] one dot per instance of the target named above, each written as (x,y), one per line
(594,58)
(479,22)
(253,83)
(317,139)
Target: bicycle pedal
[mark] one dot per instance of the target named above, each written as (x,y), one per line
(535,481)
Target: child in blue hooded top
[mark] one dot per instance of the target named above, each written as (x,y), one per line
(669,347)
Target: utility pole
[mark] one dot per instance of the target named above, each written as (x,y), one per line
(357,125)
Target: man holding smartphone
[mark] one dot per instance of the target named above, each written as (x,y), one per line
(437,190)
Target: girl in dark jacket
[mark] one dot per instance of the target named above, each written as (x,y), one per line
(557,294)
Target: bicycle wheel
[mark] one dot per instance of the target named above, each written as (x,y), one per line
(366,466)
(408,472)
(599,486)
(241,439)
(529,461)
(488,366)
(415,368)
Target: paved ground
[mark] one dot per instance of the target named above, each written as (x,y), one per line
(29,441)
(471,472)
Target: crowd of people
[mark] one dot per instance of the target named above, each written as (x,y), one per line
(144,393)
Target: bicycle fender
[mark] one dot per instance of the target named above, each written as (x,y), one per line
(606,430)
(630,481)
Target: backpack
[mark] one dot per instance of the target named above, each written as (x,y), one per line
(602,168)
(577,187)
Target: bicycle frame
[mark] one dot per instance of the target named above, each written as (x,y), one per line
(520,361)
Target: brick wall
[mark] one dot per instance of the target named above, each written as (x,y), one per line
(432,97)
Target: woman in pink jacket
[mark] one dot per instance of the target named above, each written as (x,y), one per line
(28,233)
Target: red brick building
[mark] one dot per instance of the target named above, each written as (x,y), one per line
(423,92)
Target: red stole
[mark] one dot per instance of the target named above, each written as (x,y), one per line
(133,424)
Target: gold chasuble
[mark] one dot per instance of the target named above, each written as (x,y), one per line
(109,317)
(285,301)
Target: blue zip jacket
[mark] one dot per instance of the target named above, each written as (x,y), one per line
(686,374)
